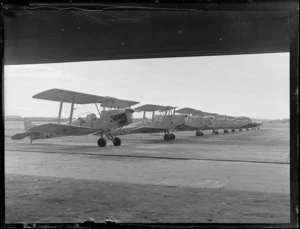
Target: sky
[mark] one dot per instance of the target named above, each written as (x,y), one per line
(256,85)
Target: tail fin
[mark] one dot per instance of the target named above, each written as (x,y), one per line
(27,123)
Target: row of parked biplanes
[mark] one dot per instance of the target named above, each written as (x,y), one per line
(115,118)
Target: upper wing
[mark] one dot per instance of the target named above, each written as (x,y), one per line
(68,96)
(187,110)
(60,95)
(146,129)
(151,107)
(117,103)
(62,129)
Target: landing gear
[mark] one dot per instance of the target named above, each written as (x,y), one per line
(240,130)
(172,136)
(101,142)
(117,141)
(166,137)
(199,133)
(233,130)
(169,136)
(225,131)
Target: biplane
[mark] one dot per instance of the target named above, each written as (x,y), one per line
(115,114)
(193,120)
(165,122)
(199,121)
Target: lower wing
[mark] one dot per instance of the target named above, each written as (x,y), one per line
(62,129)
(146,129)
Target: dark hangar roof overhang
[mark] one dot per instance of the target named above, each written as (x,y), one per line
(50,33)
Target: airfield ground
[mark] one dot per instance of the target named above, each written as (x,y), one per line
(240,177)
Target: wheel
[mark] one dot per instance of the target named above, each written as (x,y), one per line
(240,130)
(117,141)
(172,136)
(247,129)
(166,137)
(225,131)
(201,134)
(101,142)
(233,130)
(216,132)
(197,133)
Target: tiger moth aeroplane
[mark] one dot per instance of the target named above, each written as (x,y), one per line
(229,122)
(199,121)
(166,122)
(194,120)
(115,114)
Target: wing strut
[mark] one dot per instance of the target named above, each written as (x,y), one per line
(98,109)
(72,109)
(59,113)
(144,117)
(152,118)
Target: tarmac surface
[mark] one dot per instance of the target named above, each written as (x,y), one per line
(235,177)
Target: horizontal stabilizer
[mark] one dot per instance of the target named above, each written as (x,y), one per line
(63,130)
(20,136)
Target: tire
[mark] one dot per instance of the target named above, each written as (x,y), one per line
(201,134)
(101,142)
(225,131)
(240,130)
(216,132)
(233,130)
(117,141)
(172,136)
(197,134)
(166,137)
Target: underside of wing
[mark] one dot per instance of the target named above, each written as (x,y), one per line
(146,129)
(151,107)
(186,110)
(62,129)
(66,96)
(20,136)
(117,103)
(186,127)
(60,95)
